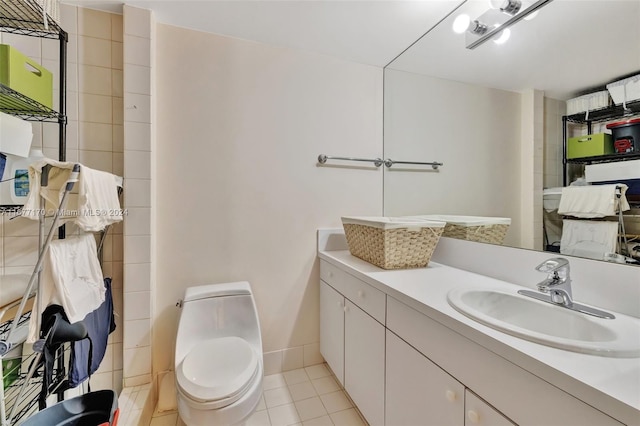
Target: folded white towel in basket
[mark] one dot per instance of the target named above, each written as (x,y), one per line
(93,205)
(588,238)
(71,277)
(592,201)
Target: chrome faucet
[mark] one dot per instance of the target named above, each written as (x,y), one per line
(558,286)
(558,282)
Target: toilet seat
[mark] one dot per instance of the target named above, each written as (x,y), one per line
(218,371)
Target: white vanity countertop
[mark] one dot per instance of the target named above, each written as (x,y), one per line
(611,385)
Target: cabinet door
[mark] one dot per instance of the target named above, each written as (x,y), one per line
(479,413)
(332,329)
(364,363)
(418,391)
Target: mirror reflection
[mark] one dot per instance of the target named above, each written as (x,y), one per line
(505,118)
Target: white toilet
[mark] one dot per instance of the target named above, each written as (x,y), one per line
(218,359)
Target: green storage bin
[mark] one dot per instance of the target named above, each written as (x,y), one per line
(590,145)
(11,366)
(25,75)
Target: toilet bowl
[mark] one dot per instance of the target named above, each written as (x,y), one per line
(218,357)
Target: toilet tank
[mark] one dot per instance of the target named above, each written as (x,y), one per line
(217,310)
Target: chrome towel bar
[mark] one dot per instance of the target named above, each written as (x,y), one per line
(376,161)
(434,164)
(322,159)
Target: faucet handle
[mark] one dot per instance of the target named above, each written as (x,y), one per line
(552,265)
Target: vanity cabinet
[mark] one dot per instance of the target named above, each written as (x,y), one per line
(332,329)
(402,367)
(364,362)
(419,392)
(352,340)
(521,396)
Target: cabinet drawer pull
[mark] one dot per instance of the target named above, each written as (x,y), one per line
(451,396)
(474,417)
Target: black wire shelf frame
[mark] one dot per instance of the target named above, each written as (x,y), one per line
(19,105)
(606,114)
(26,17)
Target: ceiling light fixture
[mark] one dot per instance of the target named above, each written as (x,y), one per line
(510,7)
(494,23)
(463,23)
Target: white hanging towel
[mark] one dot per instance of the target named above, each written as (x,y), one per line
(71,277)
(12,287)
(592,201)
(590,239)
(98,203)
(93,205)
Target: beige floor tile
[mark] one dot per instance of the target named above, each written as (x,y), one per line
(317,371)
(259,418)
(275,397)
(273,381)
(319,421)
(347,418)
(310,408)
(168,420)
(295,376)
(261,405)
(325,385)
(335,401)
(302,391)
(284,415)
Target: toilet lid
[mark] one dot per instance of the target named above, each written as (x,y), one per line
(218,369)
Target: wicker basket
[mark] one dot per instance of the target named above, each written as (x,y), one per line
(391,243)
(493,234)
(473,228)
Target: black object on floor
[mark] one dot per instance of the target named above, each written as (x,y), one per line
(99,408)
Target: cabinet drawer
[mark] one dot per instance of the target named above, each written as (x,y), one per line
(369,299)
(512,390)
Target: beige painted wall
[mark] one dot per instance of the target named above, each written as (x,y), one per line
(473,130)
(239,193)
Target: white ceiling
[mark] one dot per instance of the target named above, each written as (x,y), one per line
(572,46)
(368,32)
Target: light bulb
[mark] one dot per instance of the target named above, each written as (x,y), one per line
(502,36)
(461,24)
(496,4)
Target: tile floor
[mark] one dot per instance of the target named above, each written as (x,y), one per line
(309,396)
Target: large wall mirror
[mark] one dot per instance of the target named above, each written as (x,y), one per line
(493,115)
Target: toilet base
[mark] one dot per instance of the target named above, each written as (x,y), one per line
(232,415)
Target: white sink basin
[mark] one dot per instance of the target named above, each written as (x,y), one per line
(548,324)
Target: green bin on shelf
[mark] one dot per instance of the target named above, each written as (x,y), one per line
(11,366)
(590,145)
(26,76)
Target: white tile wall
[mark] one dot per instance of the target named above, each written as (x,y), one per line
(92,139)
(138,333)
(136,117)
